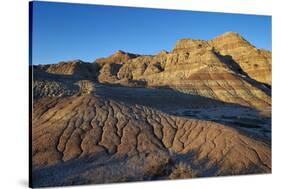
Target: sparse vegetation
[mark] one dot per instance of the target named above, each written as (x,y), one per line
(183,170)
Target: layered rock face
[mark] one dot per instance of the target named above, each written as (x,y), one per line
(255,62)
(226,68)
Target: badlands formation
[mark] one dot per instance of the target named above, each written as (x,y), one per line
(203,109)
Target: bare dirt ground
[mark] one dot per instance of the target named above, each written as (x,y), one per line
(105,134)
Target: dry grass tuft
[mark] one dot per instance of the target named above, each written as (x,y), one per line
(183,170)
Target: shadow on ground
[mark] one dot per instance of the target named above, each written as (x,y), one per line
(246,119)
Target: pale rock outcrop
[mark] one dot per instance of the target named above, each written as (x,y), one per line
(255,62)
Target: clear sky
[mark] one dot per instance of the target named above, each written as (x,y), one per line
(77,31)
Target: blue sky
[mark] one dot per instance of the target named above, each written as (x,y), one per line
(64,31)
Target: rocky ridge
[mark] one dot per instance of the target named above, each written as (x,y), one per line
(226,68)
(255,62)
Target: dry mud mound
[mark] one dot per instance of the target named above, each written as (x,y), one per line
(87,139)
